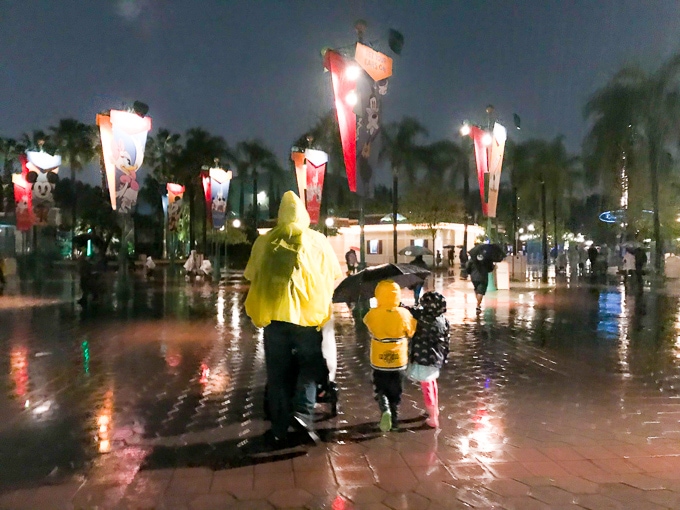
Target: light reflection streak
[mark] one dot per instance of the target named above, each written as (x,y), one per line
(105,423)
(18,362)
(624,341)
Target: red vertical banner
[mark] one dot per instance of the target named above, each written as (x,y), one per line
(207,191)
(479,137)
(316,170)
(344,91)
(298,159)
(23,202)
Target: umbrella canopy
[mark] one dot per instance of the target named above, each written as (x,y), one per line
(450,246)
(492,252)
(363,283)
(414,251)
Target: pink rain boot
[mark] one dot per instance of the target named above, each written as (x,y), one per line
(431,399)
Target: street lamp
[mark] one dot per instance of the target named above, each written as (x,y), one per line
(236,223)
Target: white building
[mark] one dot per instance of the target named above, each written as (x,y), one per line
(379,240)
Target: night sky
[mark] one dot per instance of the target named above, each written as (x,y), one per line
(253,69)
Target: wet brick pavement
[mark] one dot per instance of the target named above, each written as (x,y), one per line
(551,398)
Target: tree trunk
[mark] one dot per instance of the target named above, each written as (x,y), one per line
(466,203)
(515,243)
(192,234)
(256,207)
(654,158)
(544,272)
(557,243)
(74,207)
(395,206)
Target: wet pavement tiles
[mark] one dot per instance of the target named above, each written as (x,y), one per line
(561,397)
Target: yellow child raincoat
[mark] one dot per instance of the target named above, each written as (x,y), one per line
(292,270)
(390,326)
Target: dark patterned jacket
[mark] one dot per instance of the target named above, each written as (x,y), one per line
(430,344)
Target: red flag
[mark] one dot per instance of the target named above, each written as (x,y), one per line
(344,90)
(316,170)
(482,159)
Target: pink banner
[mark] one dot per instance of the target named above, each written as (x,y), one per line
(344,90)
(482,159)
(316,170)
(23,201)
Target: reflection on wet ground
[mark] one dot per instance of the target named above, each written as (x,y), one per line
(540,385)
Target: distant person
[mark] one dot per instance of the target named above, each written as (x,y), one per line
(592,257)
(428,350)
(391,326)
(418,287)
(2,273)
(149,267)
(351,260)
(451,257)
(463,256)
(628,266)
(479,268)
(438,258)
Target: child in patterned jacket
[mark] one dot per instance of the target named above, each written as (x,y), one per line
(429,348)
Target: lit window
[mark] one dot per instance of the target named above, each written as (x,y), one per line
(375,247)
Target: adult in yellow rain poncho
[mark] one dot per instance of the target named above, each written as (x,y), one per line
(292,270)
(391,326)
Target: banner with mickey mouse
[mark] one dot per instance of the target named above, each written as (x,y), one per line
(358,84)
(219,194)
(175,197)
(123,136)
(41,169)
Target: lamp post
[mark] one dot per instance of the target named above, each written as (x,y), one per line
(465,132)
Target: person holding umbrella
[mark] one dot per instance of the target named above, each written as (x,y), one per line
(292,270)
(418,287)
(480,264)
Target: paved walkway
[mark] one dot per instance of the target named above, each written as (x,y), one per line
(552,398)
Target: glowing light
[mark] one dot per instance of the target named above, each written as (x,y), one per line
(352,73)
(465,130)
(531,227)
(351,99)
(330,222)
(236,223)
(521,231)
(261,196)
(487,139)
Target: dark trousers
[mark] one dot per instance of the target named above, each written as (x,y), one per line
(294,364)
(388,383)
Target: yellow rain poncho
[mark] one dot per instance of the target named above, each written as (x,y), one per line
(292,270)
(390,326)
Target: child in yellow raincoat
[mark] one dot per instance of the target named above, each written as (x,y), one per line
(391,326)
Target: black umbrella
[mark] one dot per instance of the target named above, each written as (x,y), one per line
(363,283)
(492,252)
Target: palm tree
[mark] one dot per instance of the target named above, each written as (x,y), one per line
(405,155)
(635,116)
(200,149)
(443,163)
(162,151)
(542,168)
(252,156)
(76,142)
